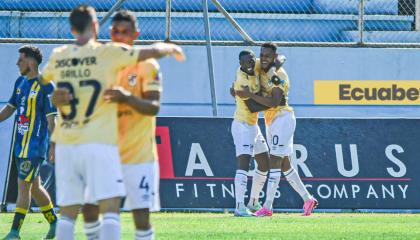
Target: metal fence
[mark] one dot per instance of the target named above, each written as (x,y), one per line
(288,22)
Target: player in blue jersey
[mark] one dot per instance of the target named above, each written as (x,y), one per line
(35,118)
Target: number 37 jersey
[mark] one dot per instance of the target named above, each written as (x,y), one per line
(86,71)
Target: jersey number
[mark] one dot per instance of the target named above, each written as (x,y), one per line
(144,184)
(73,103)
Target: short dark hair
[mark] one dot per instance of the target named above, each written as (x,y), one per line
(126,16)
(81,17)
(32,52)
(270,45)
(245,52)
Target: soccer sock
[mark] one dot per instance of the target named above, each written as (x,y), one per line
(65,228)
(294,180)
(49,213)
(18,219)
(92,230)
(258,182)
(110,229)
(145,234)
(272,185)
(241,180)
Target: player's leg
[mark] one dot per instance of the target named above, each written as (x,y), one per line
(26,172)
(142,184)
(92,224)
(70,188)
(43,200)
(243,138)
(260,173)
(292,177)
(105,185)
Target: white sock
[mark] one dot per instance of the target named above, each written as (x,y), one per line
(65,228)
(272,185)
(92,230)
(258,182)
(294,180)
(241,180)
(111,228)
(145,234)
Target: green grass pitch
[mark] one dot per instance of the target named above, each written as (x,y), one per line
(225,226)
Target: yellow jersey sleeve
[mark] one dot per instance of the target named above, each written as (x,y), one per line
(49,72)
(241,81)
(123,55)
(152,77)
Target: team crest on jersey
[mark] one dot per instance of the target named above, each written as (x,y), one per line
(132,80)
(18,91)
(25,166)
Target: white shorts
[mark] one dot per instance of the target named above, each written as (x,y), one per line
(248,139)
(280,134)
(87,173)
(142,185)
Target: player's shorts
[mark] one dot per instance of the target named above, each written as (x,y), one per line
(28,168)
(280,134)
(142,186)
(248,139)
(87,173)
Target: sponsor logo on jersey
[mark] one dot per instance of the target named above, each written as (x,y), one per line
(23,124)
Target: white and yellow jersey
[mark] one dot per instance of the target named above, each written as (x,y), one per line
(242,112)
(267,87)
(86,71)
(137,142)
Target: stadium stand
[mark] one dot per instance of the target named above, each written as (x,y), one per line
(285,20)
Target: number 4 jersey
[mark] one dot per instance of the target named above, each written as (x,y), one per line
(86,71)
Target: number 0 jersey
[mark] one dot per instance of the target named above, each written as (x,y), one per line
(86,71)
(136,131)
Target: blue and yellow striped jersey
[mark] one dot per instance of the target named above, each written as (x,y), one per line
(32,103)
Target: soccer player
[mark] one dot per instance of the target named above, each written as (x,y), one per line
(35,121)
(280,123)
(248,139)
(88,160)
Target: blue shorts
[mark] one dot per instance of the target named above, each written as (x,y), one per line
(28,169)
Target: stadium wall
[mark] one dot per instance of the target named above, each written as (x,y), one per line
(187,89)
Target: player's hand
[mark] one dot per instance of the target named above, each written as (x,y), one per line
(279,61)
(61,97)
(51,153)
(244,93)
(170,49)
(116,95)
(232,91)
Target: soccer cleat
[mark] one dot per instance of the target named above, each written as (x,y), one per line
(13,235)
(242,212)
(309,205)
(263,212)
(254,207)
(51,232)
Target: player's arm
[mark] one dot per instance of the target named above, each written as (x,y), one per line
(149,105)
(254,106)
(159,50)
(51,114)
(273,101)
(6,112)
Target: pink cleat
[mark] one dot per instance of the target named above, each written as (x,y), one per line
(263,212)
(309,205)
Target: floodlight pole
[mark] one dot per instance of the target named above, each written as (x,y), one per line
(361,21)
(111,11)
(168,20)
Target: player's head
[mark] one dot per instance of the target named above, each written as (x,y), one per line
(267,55)
(247,61)
(83,22)
(124,27)
(29,59)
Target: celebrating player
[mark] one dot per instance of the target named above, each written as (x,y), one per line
(248,139)
(35,122)
(87,155)
(280,123)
